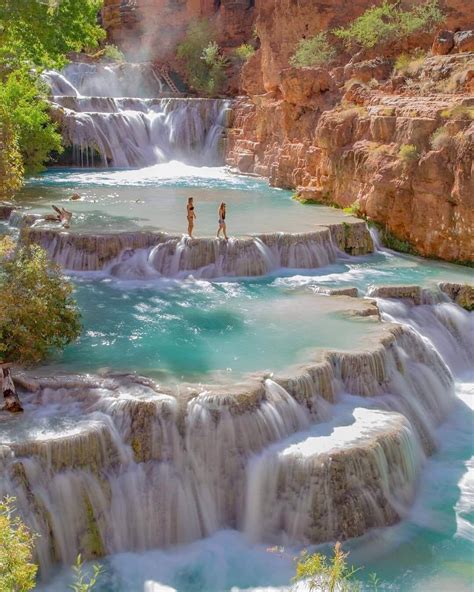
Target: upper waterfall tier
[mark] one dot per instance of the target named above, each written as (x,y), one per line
(104,116)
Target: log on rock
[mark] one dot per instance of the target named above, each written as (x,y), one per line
(7,387)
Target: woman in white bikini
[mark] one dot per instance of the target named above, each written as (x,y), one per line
(222,225)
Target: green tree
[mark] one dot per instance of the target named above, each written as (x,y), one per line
(41,33)
(17,571)
(35,35)
(315,51)
(38,314)
(203,62)
(23,96)
(11,163)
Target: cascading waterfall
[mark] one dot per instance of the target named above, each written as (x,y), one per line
(130,467)
(111,130)
(144,254)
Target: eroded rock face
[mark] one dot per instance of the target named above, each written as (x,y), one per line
(150,29)
(461,294)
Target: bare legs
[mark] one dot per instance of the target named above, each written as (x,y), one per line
(190,227)
(222,227)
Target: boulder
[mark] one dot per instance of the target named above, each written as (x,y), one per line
(443,43)
(464,41)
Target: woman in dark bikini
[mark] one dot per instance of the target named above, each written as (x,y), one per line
(222,225)
(191,216)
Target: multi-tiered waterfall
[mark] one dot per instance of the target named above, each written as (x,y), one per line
(107,465)
(107,119)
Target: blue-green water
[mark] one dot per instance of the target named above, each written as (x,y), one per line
(203,330)
(194,330)
(157,197)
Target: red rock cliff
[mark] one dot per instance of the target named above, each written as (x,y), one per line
(400,144)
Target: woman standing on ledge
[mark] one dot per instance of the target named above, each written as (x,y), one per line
(191,216)
(222,225)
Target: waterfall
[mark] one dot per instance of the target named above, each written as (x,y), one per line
(100,466)
(141,255)
(104,127)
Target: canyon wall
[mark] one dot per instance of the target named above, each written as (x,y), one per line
(397,143)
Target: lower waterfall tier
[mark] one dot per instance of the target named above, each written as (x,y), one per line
(147,254)
(133,466)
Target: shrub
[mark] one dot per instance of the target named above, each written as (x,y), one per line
(203,63)
(17,571)
(82,583)
(458,112)
(353,209)
(408,153)
(244,52)
(313,52)
(38,313)
(330,574)
(386,22)
(409,64)
(112,52)
(440,138)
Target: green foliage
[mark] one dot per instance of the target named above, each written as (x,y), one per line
(41,34)
(387,22)
(353,209)
(38,314)
(458,112)
(82,583)
(11,163)
(244,52)
(22,96)
(17,572)
(330,574)
(409,64)
(408,153)
(391,241)
(315,51)
(112,52)
(325,574)
(203,62)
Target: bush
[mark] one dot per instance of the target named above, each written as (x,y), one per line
(112,52)
(408,153)
(313,52)
(203,63)
(387,22)
(38,314)
(244,52)
(409,64)
(82,583)
(330,574)
(458,112)
(440,138)
(17,571)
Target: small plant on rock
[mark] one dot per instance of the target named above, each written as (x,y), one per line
(83,583)
(316,51)
(440,138)
(408,153)
(244,52)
